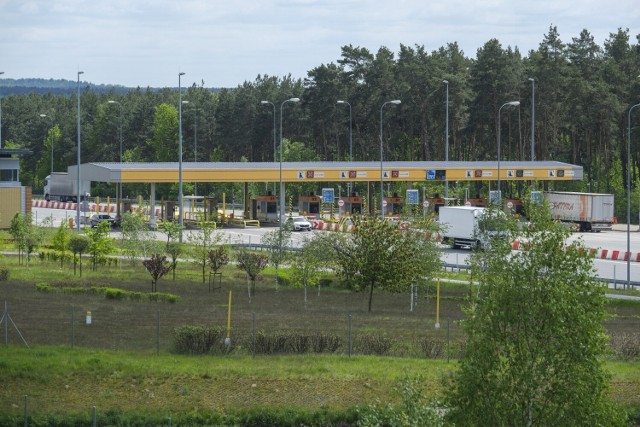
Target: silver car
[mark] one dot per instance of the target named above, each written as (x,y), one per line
(299,223)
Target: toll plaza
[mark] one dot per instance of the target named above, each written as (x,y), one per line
(265,208)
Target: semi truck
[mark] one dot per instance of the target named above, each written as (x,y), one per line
(60,187)
(589,211)
(460,225)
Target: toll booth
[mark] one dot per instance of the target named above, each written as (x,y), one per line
(210,209)
(350,205)
(393,205)
(169,212)
(265,208)
(434,203)
(309,205)
(514,207)
(477,202)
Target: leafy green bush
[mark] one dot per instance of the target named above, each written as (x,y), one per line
(44,287)
(4,274)
(322,343)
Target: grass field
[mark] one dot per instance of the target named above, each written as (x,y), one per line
(125,361)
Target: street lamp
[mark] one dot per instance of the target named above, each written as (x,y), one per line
(629,195)
(510,104)
(396,102)
(180,220)
(78,159)
(195,141)
(274,135)
(119,195)
(350,132)
(533,117)
(350,141)
(1,72)
(446,133)
(51,119)
(281,190)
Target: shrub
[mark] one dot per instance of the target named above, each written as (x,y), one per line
(376,344)
(115,293)
(44,287)
(325,343)
(432,348)
(626,346)
(199,340)
(4,274)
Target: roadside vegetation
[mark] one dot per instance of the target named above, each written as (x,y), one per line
(281,355)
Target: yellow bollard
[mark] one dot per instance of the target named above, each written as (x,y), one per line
(438,305)
(227,340)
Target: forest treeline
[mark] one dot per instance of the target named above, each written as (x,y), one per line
(582,93)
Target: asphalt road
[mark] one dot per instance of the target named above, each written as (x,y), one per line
(612,240)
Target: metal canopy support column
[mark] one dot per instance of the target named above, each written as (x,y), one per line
(152,206)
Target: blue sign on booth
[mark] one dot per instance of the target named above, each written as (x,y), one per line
(327,195)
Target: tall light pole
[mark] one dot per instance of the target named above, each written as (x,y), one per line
(510,104)
(180,220)
(119,195)
(396,102)
(51,119)
(629,195)
(533,117)
(274,135)
(78,159)
(350,132)
(350,141)
(1,72)
(281,190)
(195,141)
(446,133)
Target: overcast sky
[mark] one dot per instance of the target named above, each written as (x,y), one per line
(225,43)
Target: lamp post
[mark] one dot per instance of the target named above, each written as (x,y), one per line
(350,140)
(350,132)
(396,102)
(78,159)
(274,135)
(281,190)
(180,220)
(446,133)
(629,195)
(195,141)
(51,119)
(1,72)
(119,195)
(511,104)
(533,117)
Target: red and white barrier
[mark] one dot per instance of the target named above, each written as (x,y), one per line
(612,255)
(72,206)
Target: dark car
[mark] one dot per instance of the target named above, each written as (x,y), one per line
(98,218)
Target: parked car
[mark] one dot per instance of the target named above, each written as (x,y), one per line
(98,218)
(299,223)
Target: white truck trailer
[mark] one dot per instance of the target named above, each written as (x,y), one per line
(60,187)
(589,211)
(460,225)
